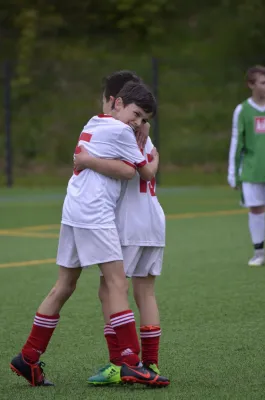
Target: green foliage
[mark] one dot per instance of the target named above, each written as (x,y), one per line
(135,16)
(61,52)
(250,26)
(27,22)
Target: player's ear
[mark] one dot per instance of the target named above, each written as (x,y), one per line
(118,105)
(111,99)
(251,85)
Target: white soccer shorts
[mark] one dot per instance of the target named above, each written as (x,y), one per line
(80,247)
(253,194)
(142,261)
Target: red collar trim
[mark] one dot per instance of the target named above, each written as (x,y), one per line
(104,116)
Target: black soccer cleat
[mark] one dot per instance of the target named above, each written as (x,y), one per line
(33,373)
(143,375)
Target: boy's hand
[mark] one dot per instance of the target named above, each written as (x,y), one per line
(142,135)
(154,152)
(81,159)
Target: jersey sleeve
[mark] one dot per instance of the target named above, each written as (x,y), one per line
(128,150)
(149,145)
(236,147)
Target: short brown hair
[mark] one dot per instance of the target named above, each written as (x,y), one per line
(113,83)
(253,71)
(139,94)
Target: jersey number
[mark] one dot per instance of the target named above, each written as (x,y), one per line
(86,137)
(151,184)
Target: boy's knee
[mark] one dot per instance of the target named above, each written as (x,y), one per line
(119,284)
(103,292)
(62,291)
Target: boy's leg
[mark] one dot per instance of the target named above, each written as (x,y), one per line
(109,333)
(109,374)
(132,255)
(106,252)
(143,280)
(254,199)
(121,317)
(47,317)
(145,298)
(150,330)
(109,257)
(123,323)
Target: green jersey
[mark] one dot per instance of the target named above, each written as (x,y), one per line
(247,148)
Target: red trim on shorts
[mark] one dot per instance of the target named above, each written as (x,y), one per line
(129,163)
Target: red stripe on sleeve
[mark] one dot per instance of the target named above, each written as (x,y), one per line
(141,164)
(150,157)
(130,164)
(86,137)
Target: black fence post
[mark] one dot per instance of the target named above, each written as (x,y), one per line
(7,111)
(155,76)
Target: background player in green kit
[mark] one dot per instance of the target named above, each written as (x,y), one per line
(247,158)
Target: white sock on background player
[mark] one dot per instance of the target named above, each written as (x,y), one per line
(256,224)
(257,231)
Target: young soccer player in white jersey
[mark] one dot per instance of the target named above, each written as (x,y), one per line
(88,236)
(247,159)
(140,222)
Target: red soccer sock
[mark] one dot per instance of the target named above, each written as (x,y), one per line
(123,324)
(150,336)
(40,335)
(113,345)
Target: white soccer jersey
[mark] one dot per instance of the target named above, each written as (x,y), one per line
(91,198)
(140,219)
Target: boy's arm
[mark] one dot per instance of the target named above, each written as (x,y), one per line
(236,148)
(148,171)
(128,149)
(116,169)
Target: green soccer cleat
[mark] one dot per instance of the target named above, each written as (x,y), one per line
(108,375)
(154,368)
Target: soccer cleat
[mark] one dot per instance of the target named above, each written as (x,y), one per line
(33,373)
(108,375)
(154,368)
(143,375)
(257,260)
